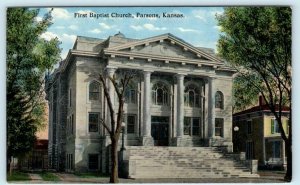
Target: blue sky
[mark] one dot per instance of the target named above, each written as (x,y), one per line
(198,26)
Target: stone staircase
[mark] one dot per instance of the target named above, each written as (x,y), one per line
(183,162)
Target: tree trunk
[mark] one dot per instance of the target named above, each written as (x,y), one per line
(288,151)
(114,176)
(10,165)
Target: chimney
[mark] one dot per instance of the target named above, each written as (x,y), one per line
(261,100)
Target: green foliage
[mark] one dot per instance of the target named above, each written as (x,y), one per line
(18,176)
(90,175)
(48,176)
(244,95)
(28,58)
(257,42)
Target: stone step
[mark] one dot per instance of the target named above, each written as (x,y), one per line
(184,162)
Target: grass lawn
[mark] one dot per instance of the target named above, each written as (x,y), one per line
(90,175)
(48,176)
(18,176)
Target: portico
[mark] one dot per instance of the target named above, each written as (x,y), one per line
(181,95)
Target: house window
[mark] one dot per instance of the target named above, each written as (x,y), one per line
(274,126)
(276,147)
(72,124)
(94,122)
(219,100)
(94,91)
(249,150)
(93,161)
(131,124)
(191,96)
(191,126)
(219,127)
(130,96)
(70,97)
(249,127)
(160,94)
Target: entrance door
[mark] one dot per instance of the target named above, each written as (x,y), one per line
(160,130)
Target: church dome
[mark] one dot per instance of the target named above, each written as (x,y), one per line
(120,35)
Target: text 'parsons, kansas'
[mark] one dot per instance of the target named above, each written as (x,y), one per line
(127,15)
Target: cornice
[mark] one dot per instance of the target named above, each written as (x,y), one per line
(174,40)
(166,59)
(73,53)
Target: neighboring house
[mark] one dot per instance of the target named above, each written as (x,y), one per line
(37,158)
(181,97)
(256,132)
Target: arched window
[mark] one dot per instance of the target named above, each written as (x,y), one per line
(191,96)
(94,91)
(219,100)
(130,94)
(160,94)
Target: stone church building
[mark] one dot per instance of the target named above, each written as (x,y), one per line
(181,96)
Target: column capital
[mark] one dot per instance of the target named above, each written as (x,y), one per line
(180,76)
(111,68)
(148,71)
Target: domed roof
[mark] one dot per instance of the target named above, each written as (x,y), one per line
(120,35)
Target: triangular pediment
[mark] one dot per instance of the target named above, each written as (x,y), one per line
(166,45)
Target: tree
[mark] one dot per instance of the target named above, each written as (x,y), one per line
(244,96)
(257,42)
(119,84)
(28,57)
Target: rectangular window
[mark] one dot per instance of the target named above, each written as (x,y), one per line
(196,128)
(94,122)
(72,124)
(219,125)
(249,127)
(249,150)
(274,126)
(131,124)
(71,161)
(276,149)
(191,126)
(187,126)
(70,97)
(93,161)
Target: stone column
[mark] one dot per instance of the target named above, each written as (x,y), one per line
(110,73)
(212,110)
(147,139)
(180,108)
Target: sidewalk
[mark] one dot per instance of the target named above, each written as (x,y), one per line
(36,178)
(70,178)
(265,177)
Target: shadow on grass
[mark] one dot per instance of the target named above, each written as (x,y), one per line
(90,175)
(18,176)
(48,176)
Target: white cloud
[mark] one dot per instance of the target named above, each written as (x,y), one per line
(73,27)
(137,28)
(151,27)
(105,26)
(68,38)
(214,13)
(217,28)
(186,30)
(85,11)
(38,19)
(96,30)
(60,13)
(59,27)
(64,54)
(48,35)
(206,15)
